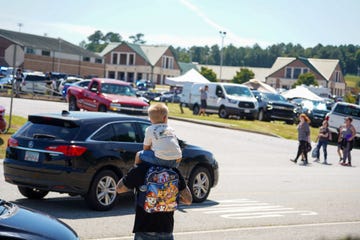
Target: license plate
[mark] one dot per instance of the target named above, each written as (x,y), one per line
(247,110)
(31,156)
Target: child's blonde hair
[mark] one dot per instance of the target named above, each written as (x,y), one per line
(158,112)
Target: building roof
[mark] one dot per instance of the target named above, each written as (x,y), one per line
(228,72)
(150,53)
(45,43)
(185,67)
(324,67)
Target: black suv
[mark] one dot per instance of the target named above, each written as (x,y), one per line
(86,153)
(273,106)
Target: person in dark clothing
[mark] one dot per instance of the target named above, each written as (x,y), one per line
(303,137)
(323,139)
(151,226)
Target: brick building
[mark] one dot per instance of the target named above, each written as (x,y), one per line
(47,54)
(131,62)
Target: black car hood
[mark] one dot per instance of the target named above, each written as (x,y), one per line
(281,103)
(24,223)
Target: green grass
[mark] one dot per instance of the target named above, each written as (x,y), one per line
(277,128)
(16,123)
(352,81)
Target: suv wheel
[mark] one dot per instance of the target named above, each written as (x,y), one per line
(196,109)
(199,184)
(72,104)
(223,113)
(102,193)
(32,193)
(102,108)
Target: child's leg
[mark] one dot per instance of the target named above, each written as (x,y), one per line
(137,158)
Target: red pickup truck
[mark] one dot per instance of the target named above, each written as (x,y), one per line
(104,95)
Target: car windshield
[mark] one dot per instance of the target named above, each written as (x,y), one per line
(237,91)
(117,89)
(348,110)
(274,97)
(314,105)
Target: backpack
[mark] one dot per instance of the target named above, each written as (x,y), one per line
(160,192)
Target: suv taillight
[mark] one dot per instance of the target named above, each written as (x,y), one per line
(68,150)
(12,142)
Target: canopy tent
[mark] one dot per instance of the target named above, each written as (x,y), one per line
(191,76)
(301,92)
(260,86)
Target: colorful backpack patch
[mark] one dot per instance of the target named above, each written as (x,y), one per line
(160,190)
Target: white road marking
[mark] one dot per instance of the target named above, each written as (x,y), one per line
(249,209)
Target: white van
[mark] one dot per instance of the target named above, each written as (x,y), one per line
(224,99)
(337,115)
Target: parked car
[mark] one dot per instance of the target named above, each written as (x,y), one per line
(168,97)
(338,113)
(86,153)
(5,82)
(151,95)
(82,84)
(315,110)
(35,82)
(20,223)
(67,81)
(273,106)
(144,84)
(2,119)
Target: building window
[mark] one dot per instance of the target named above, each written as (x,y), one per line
(305,70)
(98,60)
(288,72)
(30,51)
(114,59)
(45,53)
(123,57)
(111,74)
(167,62)
(337,76)
(121,76)
(297,72)
(131,59)
(139,76)
(86,59)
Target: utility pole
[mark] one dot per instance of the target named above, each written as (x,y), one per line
(222,34)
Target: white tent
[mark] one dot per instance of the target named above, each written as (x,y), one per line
(260,86)
(301,92)
(191,76)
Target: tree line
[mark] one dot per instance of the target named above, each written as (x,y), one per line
(255,56)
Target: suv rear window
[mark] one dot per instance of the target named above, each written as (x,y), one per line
(348,110)
(48,130)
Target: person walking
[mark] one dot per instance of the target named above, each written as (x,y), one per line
(203,100)
(19,79)
(348,133)
(303,129)
(322,141)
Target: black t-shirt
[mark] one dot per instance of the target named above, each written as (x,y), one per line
(150,222)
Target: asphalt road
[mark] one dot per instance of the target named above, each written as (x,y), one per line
(260,195)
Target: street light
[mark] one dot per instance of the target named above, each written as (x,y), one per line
(20,25)
(222,34)
(59,54)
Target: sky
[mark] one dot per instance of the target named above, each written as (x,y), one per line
(186,23)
